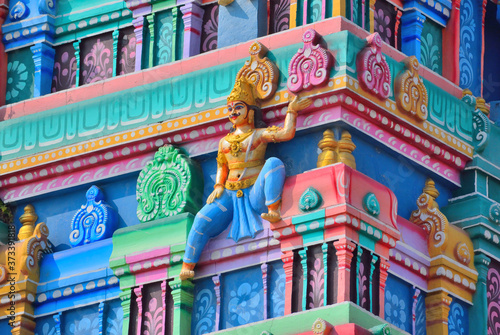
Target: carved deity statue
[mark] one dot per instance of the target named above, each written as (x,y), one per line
(247,187)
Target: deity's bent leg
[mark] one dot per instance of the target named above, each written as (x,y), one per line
(210,221)
(269,185)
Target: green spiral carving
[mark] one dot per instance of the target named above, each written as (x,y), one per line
(170,184)
(371,205)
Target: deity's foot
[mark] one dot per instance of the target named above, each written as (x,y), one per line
(273,215)
(187,271)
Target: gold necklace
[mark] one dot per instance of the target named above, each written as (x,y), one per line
(235,141)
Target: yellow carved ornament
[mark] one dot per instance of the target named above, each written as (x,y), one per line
(411,94)
(260,72)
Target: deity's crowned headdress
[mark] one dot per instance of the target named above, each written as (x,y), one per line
(242,91)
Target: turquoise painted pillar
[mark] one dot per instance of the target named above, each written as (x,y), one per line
(479,308)
(412,23)
(246,17)
(303,262)
(43,57)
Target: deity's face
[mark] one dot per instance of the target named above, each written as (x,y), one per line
(239,113)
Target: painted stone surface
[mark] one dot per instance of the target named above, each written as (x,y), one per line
(204,307)
(164,37)
(20,74)
(210,25)
(279,16)
(431,47)
(168,185)
(458,319)
(493,298)
(244,298)
(470,45)
(96,54)
(398,303)
(387,23)
(64,73)
(126,51)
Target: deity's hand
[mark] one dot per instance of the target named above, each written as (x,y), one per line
(216,194)
(298,104)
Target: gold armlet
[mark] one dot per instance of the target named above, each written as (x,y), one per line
(221,159)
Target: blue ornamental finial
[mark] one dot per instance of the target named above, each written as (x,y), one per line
(95,221)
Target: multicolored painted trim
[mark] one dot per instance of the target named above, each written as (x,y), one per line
(63,292)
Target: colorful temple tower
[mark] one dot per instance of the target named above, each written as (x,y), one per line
(249,167)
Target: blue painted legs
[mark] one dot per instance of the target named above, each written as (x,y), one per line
(244,211)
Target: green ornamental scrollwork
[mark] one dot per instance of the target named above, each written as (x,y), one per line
(170,184)
(371,205)
(310,200)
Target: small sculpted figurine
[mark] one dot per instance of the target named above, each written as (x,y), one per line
(247,187)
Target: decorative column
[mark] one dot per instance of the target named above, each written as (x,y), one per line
(287,258)
(139,35)
(303,262)
(479,308)
(250,18)
(4,10)
(345,249)
(412,23)
(43,57)
(293,14)
(338,8)
(324,249)
(116,34)
(216,280)
(263,268)
(76,45)
(371,16)
(384,267)
(451,39)
(125,302)
(416,294)
(57,320)
(359,254)
(437,308)
(182,294)
(101,316)
(193,22)
(372,270)
(151,42)
(20,268)
(138,300)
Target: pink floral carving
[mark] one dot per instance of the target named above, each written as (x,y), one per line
(154,318)
(493,299)
(310,66)
(373,72)
(317,285)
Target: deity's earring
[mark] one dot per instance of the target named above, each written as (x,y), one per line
(250,117)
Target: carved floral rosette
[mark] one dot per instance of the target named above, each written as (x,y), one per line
(374,75)
(168,185)
(261,72)
(94,221)
(411,94)
(310,66)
